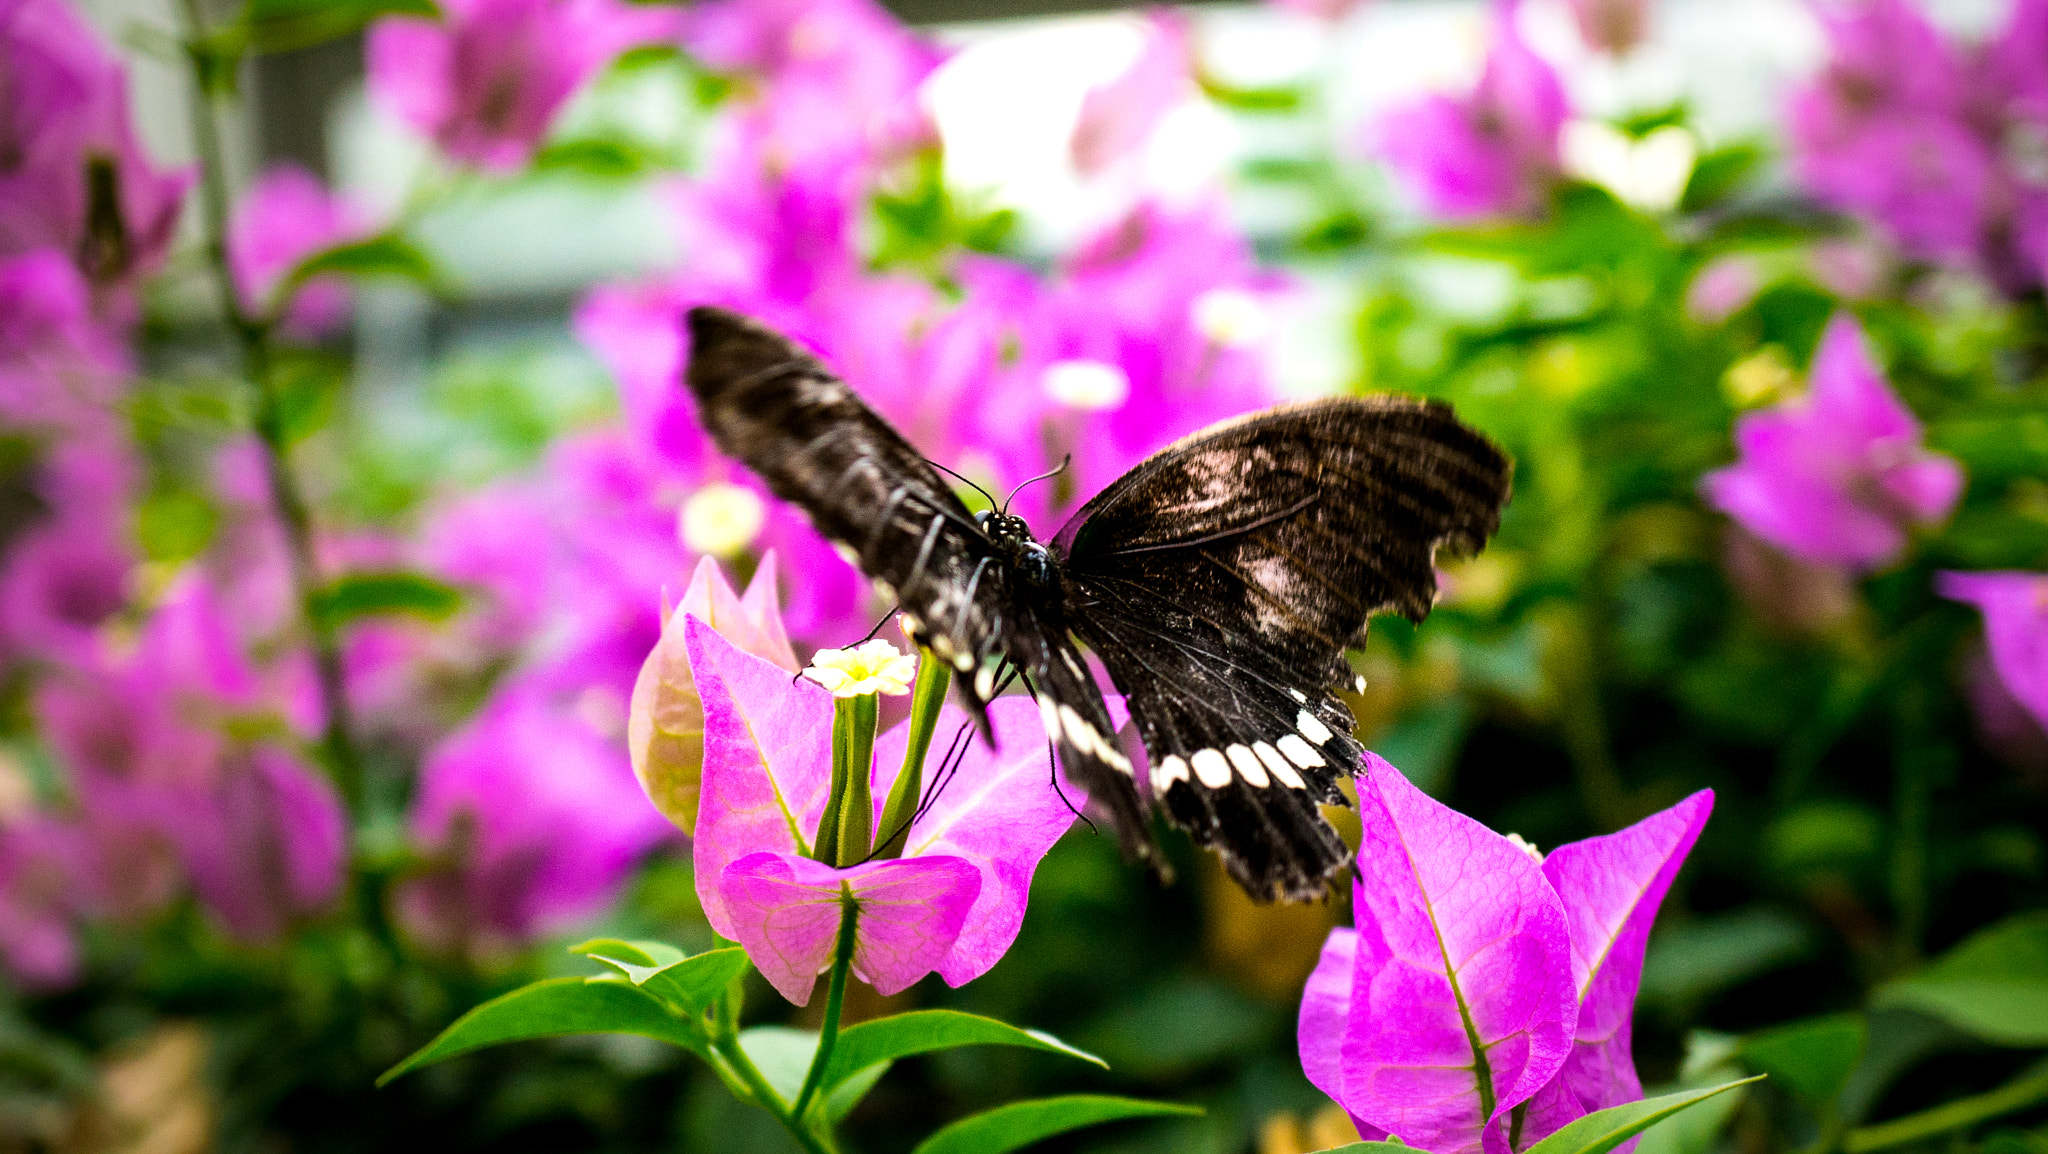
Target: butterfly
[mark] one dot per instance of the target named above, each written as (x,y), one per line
(1220,583)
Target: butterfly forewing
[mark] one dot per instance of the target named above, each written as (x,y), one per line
(1221,582)
(816,445)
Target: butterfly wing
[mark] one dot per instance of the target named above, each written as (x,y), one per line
(1222,580)
(772,405)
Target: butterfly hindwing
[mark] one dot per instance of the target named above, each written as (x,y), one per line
(818,446)
(1222,580)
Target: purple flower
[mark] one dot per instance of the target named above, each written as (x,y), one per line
(266,845)
(487,82)
(1484,999)
(665,721)
(40,864)
(1490,152)
(72,175)
(2015,608)
(839,79)
(1838,476)
(955,899)
(537,821)
(285,217)
(1940,143)
(60,370)
(67,573)
(1117,117)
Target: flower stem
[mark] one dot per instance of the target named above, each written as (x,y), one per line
(835,1004)
(252,335)
(927,697)
(853,769)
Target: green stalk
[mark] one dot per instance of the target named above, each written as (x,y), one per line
(855,717)
(835,1005)
(252,334)
(827,847)
(2022,1092)
(926,698)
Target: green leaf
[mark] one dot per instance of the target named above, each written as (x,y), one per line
(1812,1058)
(923,1031)
(550,1009)
(1603,1130)
(282,25)
(174,524)
(355,595)
(841,1101)
(2024,1092)
(783,1055)
(665,971)
(388,255)
(1993,986)
(1019,1124)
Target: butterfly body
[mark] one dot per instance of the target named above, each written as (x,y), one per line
(1220,583)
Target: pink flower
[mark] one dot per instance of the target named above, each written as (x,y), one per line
(1838,476)
(537,820)
(487,82)
(61,372)
(2015,608)
(1330,10)
(1117,117)
(665,721)
(40,863)
(839,79)
(266,845)
(285,217)
(65,574)
(1482,991)
(1490,152)
(952,903)
(1939,143)
(72,175)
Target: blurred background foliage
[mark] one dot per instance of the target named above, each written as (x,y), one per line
(1863,919)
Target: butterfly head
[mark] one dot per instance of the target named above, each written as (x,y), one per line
(1012,538)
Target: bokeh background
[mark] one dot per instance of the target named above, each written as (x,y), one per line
(451,488)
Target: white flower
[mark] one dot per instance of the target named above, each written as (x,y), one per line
(877,667)
(1091,385)
(1232,318)
(722,519)
(1527,847)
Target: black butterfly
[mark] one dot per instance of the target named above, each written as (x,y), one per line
(1220,582)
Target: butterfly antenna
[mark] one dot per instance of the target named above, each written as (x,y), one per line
(963,480)
(1064,462)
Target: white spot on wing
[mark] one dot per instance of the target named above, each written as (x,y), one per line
(1278,767)
(1167,772)
(1298,695)
(846,553)
(1311,727)
(1210,767)
(1300,752)
(1248,766)
(985,682)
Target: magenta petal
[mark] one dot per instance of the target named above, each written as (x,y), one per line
(1611,887)
(767,761)
(1000,812)
(1325,1007)
(1459,937)
(2015,608)
(786,911)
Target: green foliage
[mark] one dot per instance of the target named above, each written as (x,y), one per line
(353,596)
(1020,1124)
(550,1009)
(1994,985)
(925,1031)
(1603,1130)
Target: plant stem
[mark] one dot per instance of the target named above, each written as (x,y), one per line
(926,699)
(2018,1094)
(252,335)
(835,1004)
(853,740)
